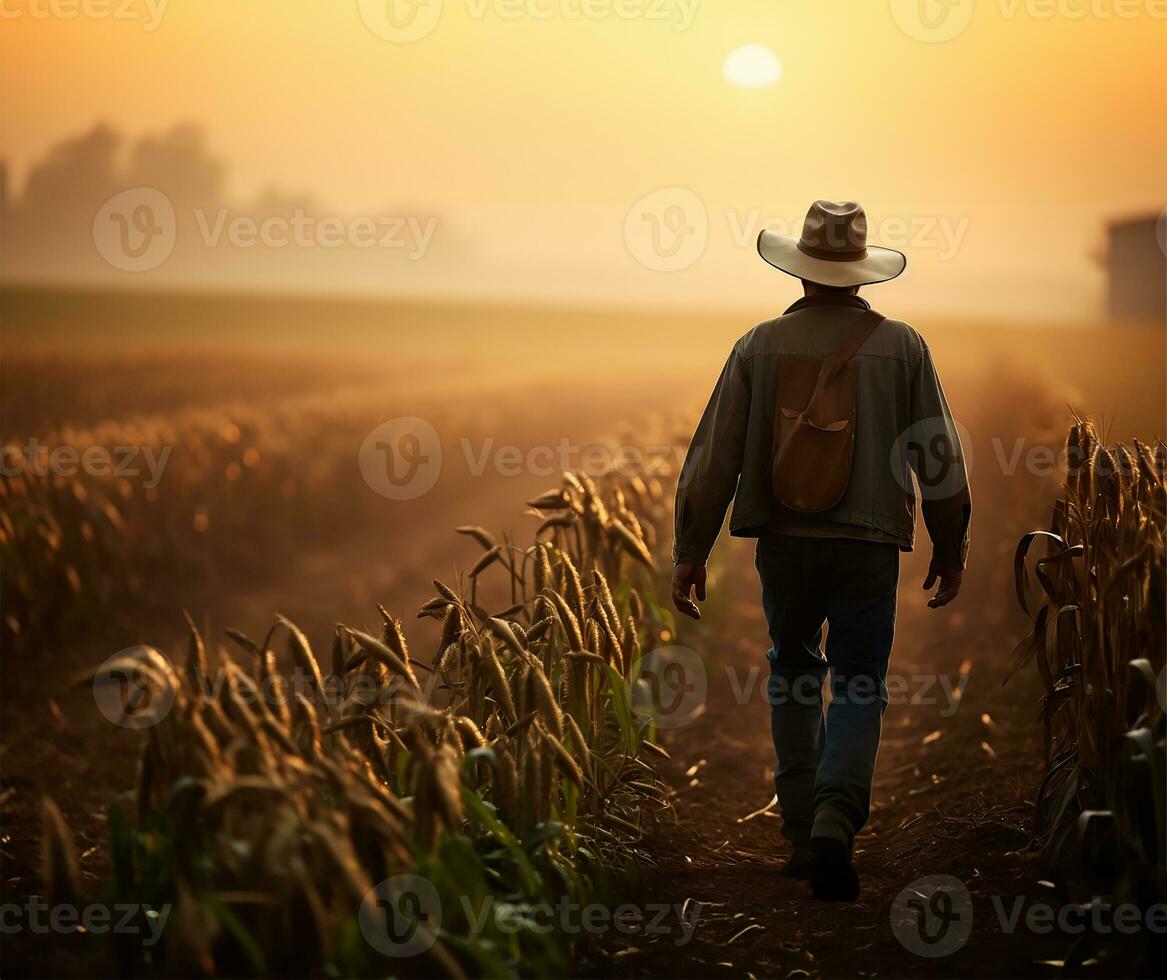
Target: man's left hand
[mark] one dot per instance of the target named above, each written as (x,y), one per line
(686,578)
(950,582)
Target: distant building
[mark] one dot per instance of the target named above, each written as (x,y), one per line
(1136,266)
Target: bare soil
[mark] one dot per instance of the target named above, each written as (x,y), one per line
(952,796)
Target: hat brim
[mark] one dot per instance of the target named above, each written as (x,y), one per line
(783,253)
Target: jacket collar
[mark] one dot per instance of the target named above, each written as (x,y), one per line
(830,299)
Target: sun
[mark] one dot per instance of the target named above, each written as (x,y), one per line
(752,66)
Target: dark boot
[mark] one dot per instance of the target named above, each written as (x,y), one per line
(799,863)
(832,876)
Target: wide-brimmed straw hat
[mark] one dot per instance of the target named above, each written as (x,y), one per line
(833,249)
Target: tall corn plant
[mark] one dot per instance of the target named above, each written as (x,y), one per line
(1098,644)
(269,803)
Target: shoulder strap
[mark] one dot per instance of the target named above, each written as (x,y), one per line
(864,328)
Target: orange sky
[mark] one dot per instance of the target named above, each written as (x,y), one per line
(535,127)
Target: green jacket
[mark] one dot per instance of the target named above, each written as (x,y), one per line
(903,428)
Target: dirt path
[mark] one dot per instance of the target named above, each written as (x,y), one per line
(943,804)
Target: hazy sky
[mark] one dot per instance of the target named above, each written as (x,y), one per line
(536,128)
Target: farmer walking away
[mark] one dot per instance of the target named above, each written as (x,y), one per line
(814,429)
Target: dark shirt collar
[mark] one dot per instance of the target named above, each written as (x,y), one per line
(830,299)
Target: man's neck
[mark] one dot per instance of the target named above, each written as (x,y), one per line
(830,298)
(812,289)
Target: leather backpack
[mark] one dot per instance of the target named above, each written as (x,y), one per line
(814,423)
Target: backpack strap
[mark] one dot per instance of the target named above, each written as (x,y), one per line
(864,327)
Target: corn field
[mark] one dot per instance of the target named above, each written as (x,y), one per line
(79,548)
(237,487)
(272,805)
(1098,644)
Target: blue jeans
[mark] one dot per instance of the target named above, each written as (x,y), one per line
(826,766)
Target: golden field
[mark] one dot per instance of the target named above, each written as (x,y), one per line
(253,413)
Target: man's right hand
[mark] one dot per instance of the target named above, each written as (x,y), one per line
(950,579)
(685,578)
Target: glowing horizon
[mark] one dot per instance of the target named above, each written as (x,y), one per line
(997,182)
